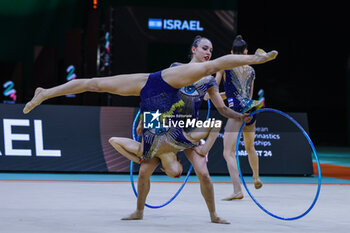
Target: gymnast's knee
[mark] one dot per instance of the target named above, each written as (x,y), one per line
(229,154)
(144,174)
(250,149)
(113,140)
(203,176)
(93,85)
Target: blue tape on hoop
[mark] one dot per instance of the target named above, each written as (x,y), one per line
(313,149)
(208,113)
(136,138)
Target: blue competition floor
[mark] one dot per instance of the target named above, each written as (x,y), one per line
(333,156)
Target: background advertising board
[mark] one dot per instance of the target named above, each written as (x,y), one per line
(75,139)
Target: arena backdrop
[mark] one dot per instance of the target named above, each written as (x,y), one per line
(75,139)
(150,39)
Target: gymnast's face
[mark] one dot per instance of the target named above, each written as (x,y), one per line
(203,51)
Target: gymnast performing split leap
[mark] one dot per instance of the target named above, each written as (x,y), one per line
(133,84)
(158,91)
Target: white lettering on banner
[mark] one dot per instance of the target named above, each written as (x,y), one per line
(184,25)
(265,153)
(211,122)
(9,137)
(168,24)
(39,144)
(176,24)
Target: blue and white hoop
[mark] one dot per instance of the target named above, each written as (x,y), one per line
(313,149)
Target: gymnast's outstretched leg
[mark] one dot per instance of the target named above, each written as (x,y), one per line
(184,75)
(131,84)
(125,85)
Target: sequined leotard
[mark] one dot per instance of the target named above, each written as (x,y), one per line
(159,95)
(238,84)
(193,95)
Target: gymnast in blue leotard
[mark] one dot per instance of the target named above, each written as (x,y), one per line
(157,95)
(185,101)
(239,84)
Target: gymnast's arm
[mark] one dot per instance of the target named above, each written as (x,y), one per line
(252,89)
(218,78)
(222,108)
(127,147)
(222,94)
(139,128)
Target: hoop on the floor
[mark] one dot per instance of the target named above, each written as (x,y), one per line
(136,138)
(313,149)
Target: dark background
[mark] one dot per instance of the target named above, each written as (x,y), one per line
(39,39)
(81,135)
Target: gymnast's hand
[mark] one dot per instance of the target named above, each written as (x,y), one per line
(246,118)
(139,128)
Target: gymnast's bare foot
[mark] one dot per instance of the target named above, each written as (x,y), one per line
(263,57)
(257,183)
(137,215)
(36,100)
(215,219)
(234,196)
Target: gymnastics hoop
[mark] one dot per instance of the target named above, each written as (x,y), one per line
(131,167)
(313,149)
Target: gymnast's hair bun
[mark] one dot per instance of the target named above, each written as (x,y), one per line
(239,37)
